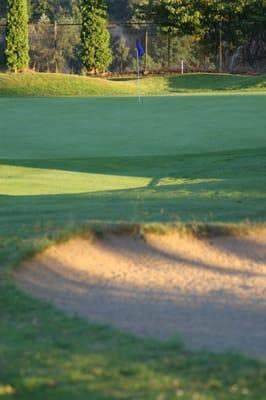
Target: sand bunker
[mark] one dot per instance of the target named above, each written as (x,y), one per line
(212,293)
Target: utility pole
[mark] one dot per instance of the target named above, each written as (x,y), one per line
(55,46)
(220,48)
(169,50)
(146,49)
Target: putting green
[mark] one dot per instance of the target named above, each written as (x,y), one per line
(110,160)
(35,128)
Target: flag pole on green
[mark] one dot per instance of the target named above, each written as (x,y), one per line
(140,53)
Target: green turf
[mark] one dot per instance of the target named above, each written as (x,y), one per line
(68,164)
(81,128)
(32,84)
(112,160)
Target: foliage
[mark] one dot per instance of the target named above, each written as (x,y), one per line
(54,48)
(240,22)
(152,64)
(181,48)
(121,54)
(42,54)
(54,9)
(95,38)
(118,10)
(237,20)
(17,47)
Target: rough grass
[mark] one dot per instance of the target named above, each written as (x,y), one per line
(45,355)
(33,84)
(69,166)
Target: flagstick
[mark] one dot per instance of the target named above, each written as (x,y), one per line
(138,81)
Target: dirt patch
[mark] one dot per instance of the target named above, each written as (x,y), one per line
(211,292)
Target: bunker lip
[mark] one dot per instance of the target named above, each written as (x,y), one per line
(209,291)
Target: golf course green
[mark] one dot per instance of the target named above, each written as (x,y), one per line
(168,159)
(75,164)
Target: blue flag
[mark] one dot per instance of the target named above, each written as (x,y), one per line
(140,49)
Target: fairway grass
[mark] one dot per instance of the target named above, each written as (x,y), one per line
(70,166)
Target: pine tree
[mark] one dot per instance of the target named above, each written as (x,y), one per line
(95,38)
(17,47)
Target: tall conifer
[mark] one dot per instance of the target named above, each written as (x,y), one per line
(95,38)
(17,47)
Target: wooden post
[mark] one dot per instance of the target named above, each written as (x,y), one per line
(182,67)
(169,50)
(220,49)
(55,46)
(146,49)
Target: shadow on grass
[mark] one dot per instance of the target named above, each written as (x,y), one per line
(176,203)
(220,165)
(219,187)
(46,355)
(212,82)
(125,79)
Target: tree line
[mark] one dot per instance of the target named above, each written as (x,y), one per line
(95,39)
(239,19)
(209,24)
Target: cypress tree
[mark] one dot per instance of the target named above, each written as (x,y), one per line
(17,47)
(95,38)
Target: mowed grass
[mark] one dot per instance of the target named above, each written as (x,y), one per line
(169,159)
(45,84)
(76,165)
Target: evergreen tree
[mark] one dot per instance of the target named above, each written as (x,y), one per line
(17,47)
(95,38)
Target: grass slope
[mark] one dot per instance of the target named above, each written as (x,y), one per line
(68,164)
(70,85)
